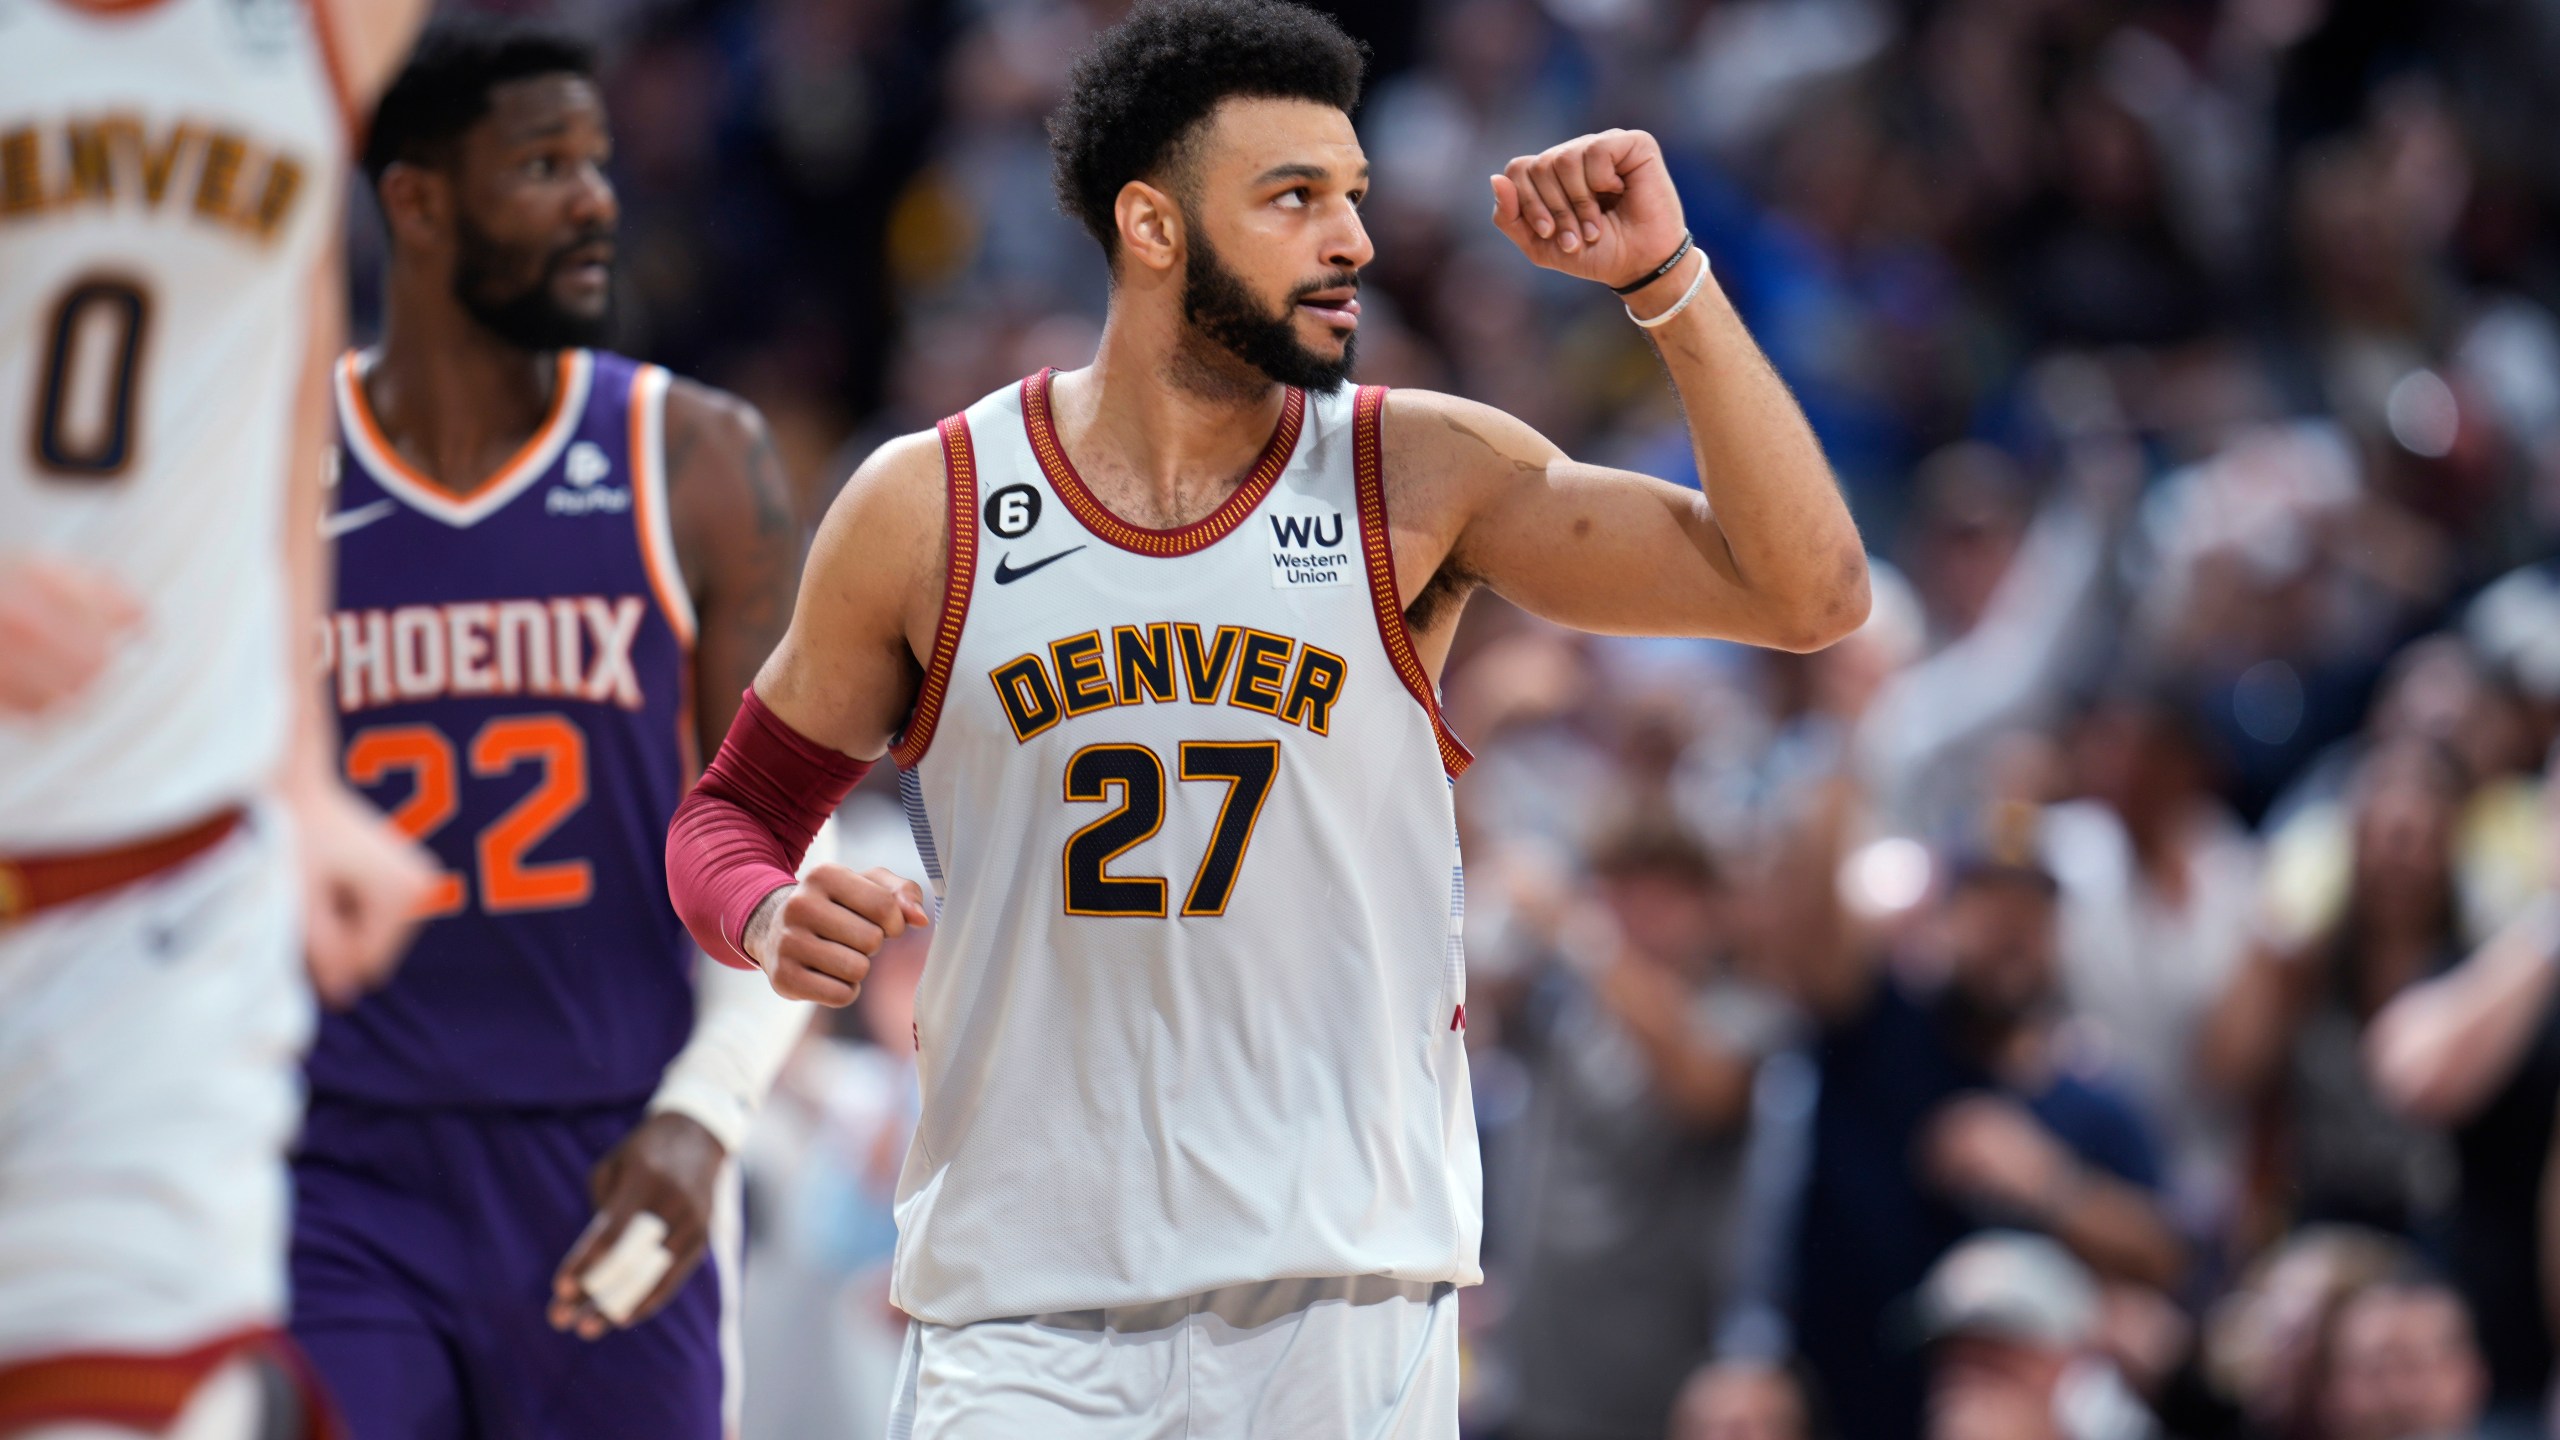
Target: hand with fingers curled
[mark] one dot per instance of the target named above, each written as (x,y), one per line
(667,1169)
(364,884)
(1601,207)
(814,940)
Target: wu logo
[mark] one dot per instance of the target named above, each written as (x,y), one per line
(1306,550)
(1298,532)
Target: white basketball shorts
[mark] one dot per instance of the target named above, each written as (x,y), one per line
(1360,1359)
(151,1042)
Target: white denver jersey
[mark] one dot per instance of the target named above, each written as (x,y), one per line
(1192,1014)
(169,175)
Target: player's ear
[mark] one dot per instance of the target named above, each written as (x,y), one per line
(1150,226)
(415,200)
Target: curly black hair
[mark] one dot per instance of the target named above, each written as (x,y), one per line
(1134,97)
(444,89)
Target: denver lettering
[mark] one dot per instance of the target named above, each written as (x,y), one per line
(1140,665)
(237,183)
(574,647)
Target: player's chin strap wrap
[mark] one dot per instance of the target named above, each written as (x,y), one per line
(741,833)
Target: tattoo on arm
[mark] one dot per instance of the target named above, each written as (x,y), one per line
(751,605)
(772,490)
(743,540)
(677,465)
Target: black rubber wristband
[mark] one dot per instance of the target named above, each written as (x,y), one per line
(1687,242)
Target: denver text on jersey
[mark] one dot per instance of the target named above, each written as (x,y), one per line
(1254,669)
(99,160)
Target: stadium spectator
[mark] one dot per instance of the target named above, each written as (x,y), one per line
(1945,1108)
(2014,606)
(2476,1050)
(1743,1400)
(2159,889)
(1640,1045)
(2287,1036)
(2011,1323)
(2268,1347)
(2407,1366)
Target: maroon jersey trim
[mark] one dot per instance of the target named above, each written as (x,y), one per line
(960,572)
(1367,478)
(1199,534)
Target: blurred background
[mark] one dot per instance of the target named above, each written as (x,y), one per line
(2111,995)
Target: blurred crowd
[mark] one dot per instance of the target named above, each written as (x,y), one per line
(2109,996)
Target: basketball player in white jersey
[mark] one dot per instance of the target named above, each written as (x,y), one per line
(170,190)
(1155,644)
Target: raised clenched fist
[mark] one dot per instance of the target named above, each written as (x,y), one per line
(1601,207)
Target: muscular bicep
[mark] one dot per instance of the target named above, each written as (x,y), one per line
(846,672)
(1583,545)
(1609,551)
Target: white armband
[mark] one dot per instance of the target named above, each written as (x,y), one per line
(742,1034)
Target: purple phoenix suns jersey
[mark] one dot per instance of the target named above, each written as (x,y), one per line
(511,669)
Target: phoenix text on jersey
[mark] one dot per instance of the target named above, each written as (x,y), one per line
(573,646)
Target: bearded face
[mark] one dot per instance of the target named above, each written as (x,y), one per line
(1222,312)
(537,297)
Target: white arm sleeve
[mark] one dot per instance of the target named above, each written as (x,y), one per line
(742,1032)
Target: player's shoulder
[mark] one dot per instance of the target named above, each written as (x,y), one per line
(705,415)
(879,547)
(722,474)
(1444,430)
(894,495)
(1445,453)
(900,483)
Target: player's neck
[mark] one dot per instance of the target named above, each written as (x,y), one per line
(1159,453)
(456,401)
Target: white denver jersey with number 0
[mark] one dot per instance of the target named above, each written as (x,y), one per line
(1192,1015)
(169,173)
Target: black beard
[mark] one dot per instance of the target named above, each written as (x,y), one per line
(529,319)
(1218,306)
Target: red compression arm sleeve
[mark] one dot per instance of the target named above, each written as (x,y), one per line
(742,832)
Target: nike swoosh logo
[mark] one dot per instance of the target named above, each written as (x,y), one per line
(333,526)
(1006,574)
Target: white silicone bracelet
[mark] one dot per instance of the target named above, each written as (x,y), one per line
(1665,318)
